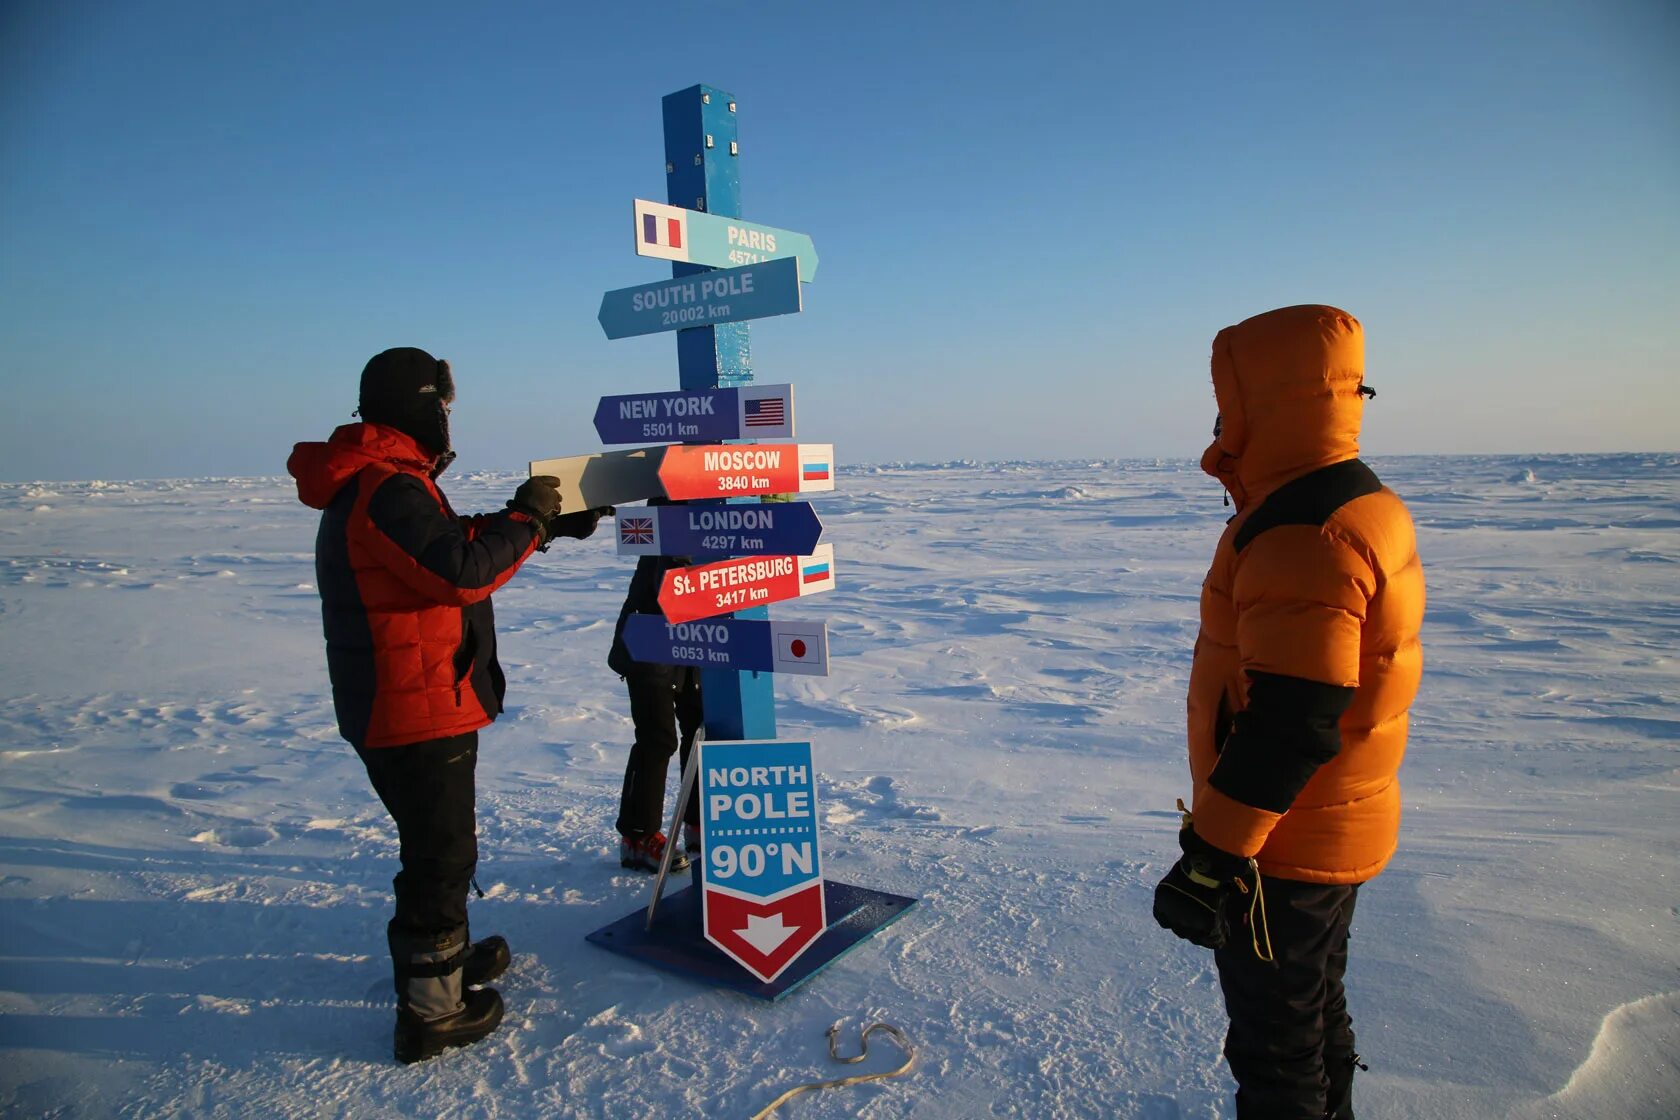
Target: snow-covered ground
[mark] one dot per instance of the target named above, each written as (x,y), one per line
(194,875)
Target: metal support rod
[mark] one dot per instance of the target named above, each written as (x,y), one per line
(672,837)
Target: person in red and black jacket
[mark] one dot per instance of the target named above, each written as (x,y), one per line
(411,652)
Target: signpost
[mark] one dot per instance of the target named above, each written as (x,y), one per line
(674,234)
(727,295)
(744,645)
(776,528)
(704,590)
(760,918)
(762,865)
(704,416)
(744,470)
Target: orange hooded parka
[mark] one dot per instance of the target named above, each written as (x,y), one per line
(1308,656)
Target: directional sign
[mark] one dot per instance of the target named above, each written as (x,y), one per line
(776,529)
(704,590)
(607,478)
(701,416)
(674,234)
(761,866)
(740,644)
(726,295)
(738,471)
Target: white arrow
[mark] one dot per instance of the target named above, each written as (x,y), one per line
(766,934)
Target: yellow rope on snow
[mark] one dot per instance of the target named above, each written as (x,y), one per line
(858,1079)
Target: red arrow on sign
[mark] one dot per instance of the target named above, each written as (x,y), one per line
(764,938)
(742,470)
(704,590)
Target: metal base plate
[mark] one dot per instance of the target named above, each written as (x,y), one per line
(676,944)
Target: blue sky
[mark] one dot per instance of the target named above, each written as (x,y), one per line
(1032,218)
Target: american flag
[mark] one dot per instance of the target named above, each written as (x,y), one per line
(635,530)
(765,412)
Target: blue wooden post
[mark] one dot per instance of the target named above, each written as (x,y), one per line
(703,172)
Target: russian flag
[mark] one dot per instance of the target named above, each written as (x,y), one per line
(814,573)
(813,472)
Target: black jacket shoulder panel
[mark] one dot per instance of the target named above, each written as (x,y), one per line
(1310,499)
(420,522)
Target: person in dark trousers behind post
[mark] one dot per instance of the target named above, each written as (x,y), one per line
(1305,666)
(664,701)
(411,652)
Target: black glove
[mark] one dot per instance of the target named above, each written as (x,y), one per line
(1193,900)
(578,525)
(538,497)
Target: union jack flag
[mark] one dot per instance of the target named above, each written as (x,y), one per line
(635,530)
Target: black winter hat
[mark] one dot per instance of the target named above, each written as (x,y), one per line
(407,389)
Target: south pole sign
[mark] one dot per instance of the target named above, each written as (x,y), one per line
(707,590)
(703,416)
(726,295)
(696,237)
(774,528)
(744,645)
(761,862)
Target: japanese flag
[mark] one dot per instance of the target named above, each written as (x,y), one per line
(802,648)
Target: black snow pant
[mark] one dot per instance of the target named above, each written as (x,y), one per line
(1290,1044)
(662,700)
(428,789)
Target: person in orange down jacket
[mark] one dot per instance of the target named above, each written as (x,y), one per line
(411,652)
(1305,666)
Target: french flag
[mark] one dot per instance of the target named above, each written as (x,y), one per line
(666,232)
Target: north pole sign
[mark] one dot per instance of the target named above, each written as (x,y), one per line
(745,470)
(761,868)
(705,590)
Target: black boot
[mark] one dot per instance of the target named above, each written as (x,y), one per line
(486,960)
(418,1039)
(433,1011)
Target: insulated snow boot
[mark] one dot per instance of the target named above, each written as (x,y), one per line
(643,853)
(486,960)
(434,1012)
(417,1039)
